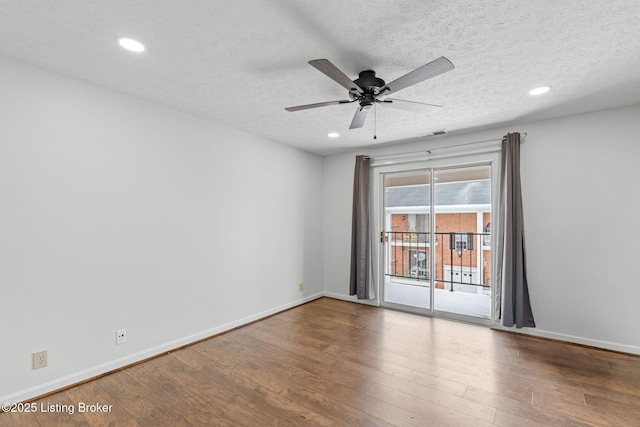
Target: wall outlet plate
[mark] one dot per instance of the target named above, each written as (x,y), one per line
(40,359)
(121,336)
(301,286)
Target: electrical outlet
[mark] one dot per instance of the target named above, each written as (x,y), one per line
(40,359)
(121,336)
(301,286)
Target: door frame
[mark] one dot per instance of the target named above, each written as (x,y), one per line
(431,165)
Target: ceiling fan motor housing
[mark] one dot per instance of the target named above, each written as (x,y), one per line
(370,84)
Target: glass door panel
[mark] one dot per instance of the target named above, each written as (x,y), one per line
(407,249)
(462,261)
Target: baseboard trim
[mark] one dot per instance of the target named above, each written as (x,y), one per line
(67,381)
(589,342)
(350,298)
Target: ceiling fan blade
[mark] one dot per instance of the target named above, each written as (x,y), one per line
(413,106)
(358,118)
(325,66)
(319,104)
(432,69)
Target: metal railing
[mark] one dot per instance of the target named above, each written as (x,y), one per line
(407,254)
(462,259)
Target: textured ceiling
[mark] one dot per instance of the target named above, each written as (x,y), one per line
(242,62)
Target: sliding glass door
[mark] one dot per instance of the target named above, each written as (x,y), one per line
(435,252)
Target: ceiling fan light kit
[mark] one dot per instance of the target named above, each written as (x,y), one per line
(368,89)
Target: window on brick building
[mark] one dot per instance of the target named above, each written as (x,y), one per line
(418,223)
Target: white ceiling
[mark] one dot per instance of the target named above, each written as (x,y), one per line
(242,62)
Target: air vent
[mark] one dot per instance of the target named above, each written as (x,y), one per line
(434,133)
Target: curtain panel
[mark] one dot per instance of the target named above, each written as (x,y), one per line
(361,280)
(513,306)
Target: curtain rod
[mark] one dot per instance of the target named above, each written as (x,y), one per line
(391,156)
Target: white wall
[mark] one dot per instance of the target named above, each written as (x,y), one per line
(115,213)
(581,220)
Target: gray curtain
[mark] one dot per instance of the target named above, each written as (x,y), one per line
(514,307)
(361,282)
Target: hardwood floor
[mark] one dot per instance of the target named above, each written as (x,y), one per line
(332,362)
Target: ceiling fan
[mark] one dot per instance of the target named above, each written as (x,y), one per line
(367,89)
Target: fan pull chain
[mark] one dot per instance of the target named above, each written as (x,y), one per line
(375,121)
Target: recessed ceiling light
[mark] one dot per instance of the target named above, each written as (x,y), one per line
(539,90)
(333,134)
(130,44)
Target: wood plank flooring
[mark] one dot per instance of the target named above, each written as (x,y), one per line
(335,363)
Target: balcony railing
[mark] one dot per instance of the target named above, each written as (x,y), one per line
(462,260)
